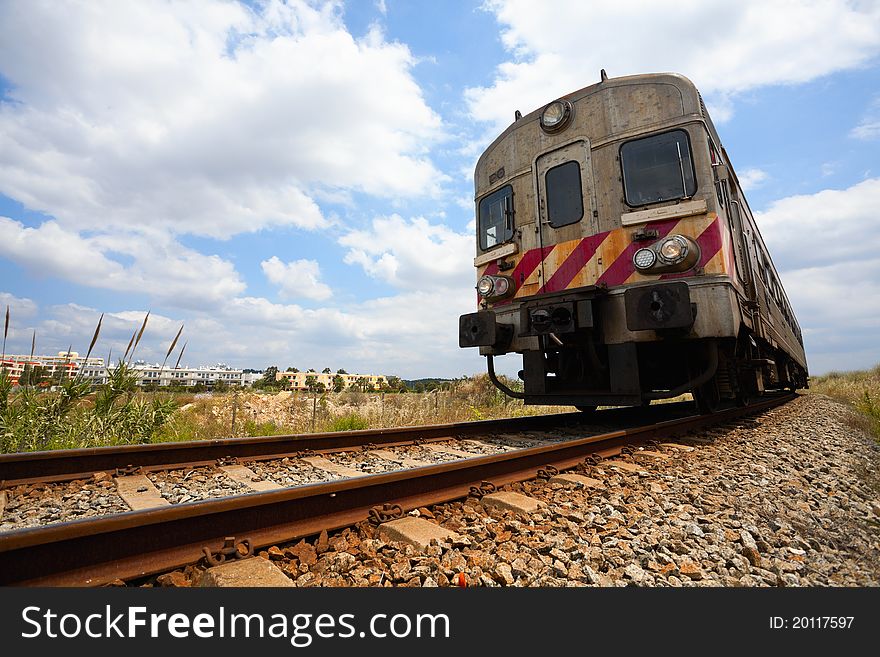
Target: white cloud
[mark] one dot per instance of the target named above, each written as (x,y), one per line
(299,278)
(725,48)
(159,266)
(18,306)
(207,118)
(410,335)
(21,312)
(869,127)
(752,178)
(406,334)
(825,246)
(829,226)
(829,168)
(412,254)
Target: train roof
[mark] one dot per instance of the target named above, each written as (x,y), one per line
(692,101)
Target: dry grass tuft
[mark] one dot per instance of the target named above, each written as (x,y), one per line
(859,390)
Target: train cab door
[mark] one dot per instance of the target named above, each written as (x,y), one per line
(566,204)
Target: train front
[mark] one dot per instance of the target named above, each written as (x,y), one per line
(600,254)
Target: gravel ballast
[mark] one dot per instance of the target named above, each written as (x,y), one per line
(787,498)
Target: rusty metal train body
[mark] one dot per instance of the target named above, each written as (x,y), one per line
(617,253)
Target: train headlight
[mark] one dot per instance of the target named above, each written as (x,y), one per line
(485,286)
(644,258)
(494,287)
(556,116)
(673,250)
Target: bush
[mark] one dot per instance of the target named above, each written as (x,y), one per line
(349,422)
(32,420)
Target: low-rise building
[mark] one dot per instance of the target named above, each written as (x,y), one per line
(51,369)
(307,380)
(158,376)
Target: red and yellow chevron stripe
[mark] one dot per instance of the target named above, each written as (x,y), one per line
(606,258)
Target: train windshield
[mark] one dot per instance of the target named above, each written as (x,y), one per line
(657,168)
(496,217)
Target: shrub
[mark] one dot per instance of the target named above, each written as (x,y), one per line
(349,422)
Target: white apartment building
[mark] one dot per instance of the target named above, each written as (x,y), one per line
(156,375)
(96,372)
(50,366)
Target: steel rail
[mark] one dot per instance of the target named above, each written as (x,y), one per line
(92,552)
(70,464)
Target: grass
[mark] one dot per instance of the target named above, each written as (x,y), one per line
(860,390)
(265,414)
(71,417)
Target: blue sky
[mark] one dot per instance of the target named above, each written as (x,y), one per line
(292,181)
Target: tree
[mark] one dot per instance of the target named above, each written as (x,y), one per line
(338,383)
(292,369)
(341,371)
(326,370)
(395,384)
(269,382)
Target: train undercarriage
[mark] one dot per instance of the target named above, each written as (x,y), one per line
(587,374)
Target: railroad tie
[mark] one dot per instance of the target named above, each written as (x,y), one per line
(678,446)
(405,461)
(652,454)
(443,449)
(417,532)
(333,468)
(624,465)
(572,479)
(510,501)
(248,477)
(139,492)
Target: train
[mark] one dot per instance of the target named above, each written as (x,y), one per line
(617,254)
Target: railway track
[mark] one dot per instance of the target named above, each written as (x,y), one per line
(68,465)
(139,543)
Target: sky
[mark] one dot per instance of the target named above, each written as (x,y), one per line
(293,181)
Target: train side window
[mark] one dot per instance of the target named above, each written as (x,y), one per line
(565,201)
(496,217)
(740,252)
(762,266)
(720,185)
(657,168)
